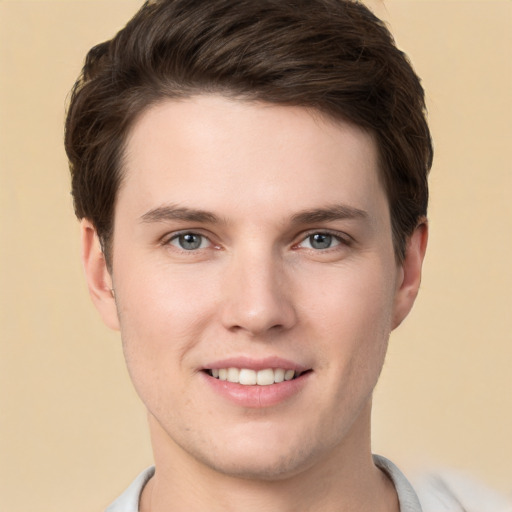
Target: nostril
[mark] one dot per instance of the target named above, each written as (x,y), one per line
(257,307)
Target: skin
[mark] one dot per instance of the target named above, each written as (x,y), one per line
(258,286)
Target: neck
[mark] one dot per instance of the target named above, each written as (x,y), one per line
(346,480)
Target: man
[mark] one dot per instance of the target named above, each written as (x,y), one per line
(251,181)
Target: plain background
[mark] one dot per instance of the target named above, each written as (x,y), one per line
(73,433)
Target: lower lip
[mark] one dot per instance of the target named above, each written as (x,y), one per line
(256,397)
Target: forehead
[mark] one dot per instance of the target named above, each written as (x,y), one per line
(215,150)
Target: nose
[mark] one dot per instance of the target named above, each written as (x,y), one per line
(258,297)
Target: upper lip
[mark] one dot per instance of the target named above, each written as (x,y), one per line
(256,364)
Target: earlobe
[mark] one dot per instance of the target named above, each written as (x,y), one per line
(410,273)
(99,280)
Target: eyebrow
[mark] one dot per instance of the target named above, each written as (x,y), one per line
(171,212)
(329,213)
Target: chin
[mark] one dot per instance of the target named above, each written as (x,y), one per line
(268,468)
(266,460)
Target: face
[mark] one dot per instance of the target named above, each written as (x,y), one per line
(255,283)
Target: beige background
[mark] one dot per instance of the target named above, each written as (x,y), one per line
(72,432)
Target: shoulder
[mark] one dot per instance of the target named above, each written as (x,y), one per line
(453,491)
(407,497)
(129,500)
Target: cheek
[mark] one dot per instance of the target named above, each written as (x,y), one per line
(351,297)
(159,301)
(162,318)
(353,315)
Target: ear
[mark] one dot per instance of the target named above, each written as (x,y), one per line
(409,276)
(99,280)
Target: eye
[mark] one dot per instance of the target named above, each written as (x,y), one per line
(189,241)
(320,241)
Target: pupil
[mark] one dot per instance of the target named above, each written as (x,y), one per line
(320,241)
(190,241)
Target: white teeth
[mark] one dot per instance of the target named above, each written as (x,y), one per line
(289,374)
(248,377)
(279,375)
(265,377)
(233,375)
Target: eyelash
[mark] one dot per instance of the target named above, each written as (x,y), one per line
(175,236)
(342,239)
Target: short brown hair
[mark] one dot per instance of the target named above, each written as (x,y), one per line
(332,55)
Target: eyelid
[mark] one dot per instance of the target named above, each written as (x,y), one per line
(343,237)
(169,237)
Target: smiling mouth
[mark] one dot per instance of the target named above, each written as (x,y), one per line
(248,377)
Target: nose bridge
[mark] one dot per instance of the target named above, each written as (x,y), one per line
(257,299)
